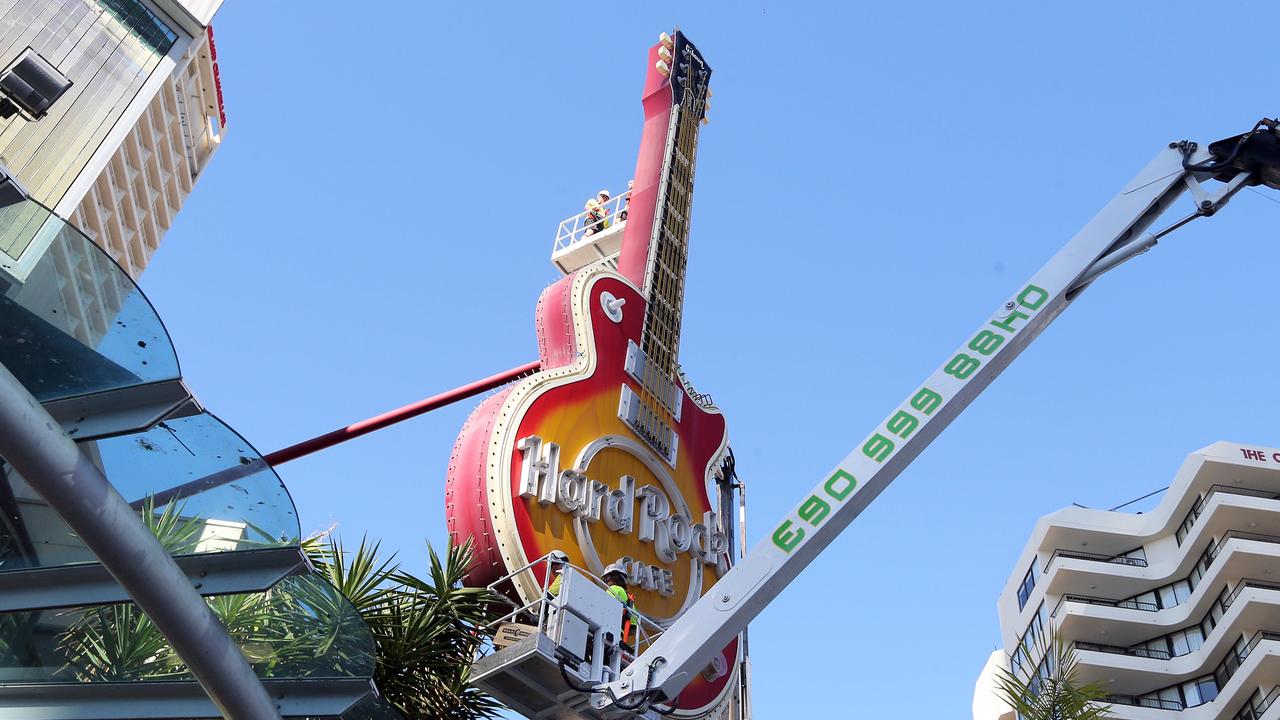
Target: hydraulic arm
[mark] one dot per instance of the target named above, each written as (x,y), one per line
(1117,233)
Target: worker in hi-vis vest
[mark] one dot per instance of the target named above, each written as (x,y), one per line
(557,561)
(616,577)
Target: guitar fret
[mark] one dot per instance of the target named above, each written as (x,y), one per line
(670,258)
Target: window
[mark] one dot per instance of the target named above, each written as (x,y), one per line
(1189,521)
(1032,643)
(1028,584)
(1199,692)
(1186,641)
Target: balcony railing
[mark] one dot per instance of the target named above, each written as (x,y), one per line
(1214,549)
(1254,710)
(1234,659)
(1105,602)
(1198,508)
(1245,584)
(1129,651)
(1143,702)
(1096,557)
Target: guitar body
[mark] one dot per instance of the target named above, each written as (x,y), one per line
(574,403)
(604,454)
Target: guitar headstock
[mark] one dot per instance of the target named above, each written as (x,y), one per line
(687,71)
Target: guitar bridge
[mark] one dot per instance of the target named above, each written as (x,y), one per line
(648,424)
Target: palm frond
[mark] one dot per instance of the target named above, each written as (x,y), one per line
(1058,694)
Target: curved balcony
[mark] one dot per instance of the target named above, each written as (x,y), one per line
(1135,671)
(78,333)
(1256,707)
(1095,557)
(1128,621)
(1263,647)
(1236,493)
(1218,622)
(1197,509)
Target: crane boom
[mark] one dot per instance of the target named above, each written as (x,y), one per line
(1117,233)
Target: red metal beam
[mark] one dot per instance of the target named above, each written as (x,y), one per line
(378,422)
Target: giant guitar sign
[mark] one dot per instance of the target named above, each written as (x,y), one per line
(604,453)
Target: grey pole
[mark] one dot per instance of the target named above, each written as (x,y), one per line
(36,446)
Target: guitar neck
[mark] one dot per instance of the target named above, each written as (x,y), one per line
(655,243)
(669,248)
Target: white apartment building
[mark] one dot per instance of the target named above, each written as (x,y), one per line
(119,151)
(1176,611)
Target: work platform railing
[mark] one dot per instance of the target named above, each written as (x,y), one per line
(535,612)
(579,227)
(587,238)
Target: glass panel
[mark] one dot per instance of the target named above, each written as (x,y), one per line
(1195,638)
(1208,690)
(1028,584)
(1139,553)
(1180,644)
(76,323)
(1215,613)
(1167,597)
(1181,591)
(208,491)
(301,628)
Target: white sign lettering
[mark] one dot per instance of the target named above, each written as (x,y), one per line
(671,533)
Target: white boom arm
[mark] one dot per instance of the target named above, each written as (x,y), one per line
(1116,234)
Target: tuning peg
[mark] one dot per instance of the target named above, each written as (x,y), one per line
(705,121)
(664,54)
(666,41)
(709,93)
(663,68)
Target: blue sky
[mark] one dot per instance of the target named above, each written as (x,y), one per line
(874,182)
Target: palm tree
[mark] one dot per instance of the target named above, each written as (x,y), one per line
(1055,694)
(427,630)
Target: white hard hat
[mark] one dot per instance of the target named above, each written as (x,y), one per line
(605,193)
(558,556)
(619,568)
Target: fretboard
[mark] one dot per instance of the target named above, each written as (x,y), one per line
(669,251)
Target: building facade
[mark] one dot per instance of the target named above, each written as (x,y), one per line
(118,152)
(109,111)
(1175,611)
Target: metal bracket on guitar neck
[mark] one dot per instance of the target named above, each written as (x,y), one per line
(659,384)
(648,425)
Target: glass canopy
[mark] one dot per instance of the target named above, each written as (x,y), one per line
(198,485)
(75,323)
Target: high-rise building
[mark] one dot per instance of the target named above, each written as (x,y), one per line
(119,150)
(1175,611)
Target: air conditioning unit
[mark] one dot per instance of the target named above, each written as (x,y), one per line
(30,85)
